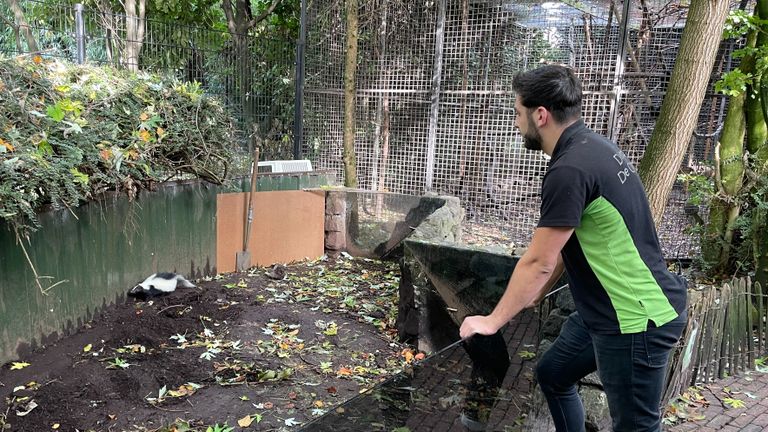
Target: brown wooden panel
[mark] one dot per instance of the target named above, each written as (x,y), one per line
(287,226)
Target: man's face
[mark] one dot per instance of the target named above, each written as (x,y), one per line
(524,121)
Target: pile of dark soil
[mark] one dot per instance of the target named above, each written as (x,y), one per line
(243,350)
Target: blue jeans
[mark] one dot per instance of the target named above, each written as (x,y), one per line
(632,368)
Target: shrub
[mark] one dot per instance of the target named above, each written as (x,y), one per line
(69,133)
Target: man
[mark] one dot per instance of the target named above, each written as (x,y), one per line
(595,220)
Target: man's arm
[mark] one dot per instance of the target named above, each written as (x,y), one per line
(531,277)
(556,275)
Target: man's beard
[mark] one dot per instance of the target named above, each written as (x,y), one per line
(532,139)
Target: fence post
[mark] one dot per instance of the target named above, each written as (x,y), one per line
(437,72)
(619,71)
(298,113)
(80,33)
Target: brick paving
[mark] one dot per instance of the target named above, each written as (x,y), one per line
(751,389)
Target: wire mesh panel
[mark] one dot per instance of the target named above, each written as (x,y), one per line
(254,76)
(434,106)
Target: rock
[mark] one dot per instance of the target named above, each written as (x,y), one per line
(593,380)
(565,302)
(553,323)
(597,415)
(334,223)
(335,240)
(335,203)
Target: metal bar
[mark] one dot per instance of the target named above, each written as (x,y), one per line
(298,115)
(619,71)
(437,71)
(80,33)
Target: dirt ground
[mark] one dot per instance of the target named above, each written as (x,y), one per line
(243,350)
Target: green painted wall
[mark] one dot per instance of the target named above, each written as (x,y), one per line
(112,245)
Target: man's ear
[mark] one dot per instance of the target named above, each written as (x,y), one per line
(542,116)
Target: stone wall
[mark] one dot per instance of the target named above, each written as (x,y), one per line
(597,416)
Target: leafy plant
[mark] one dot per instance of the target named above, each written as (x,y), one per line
(70,133)
(118,363)
(220,428)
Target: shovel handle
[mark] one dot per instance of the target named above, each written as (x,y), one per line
(249,221)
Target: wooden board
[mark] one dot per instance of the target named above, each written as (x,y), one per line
(287,226)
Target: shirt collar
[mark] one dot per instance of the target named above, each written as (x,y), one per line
(567,137)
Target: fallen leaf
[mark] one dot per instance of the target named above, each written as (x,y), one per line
(268,405)
(291,422)
(55,426)
(144,116)
(419,356)
(245,421)
(6,145)
(18,388)
(27,409)
(37,59)
(87,348)
(292,395)
(318,403)
(344,371)
(19,365)
(244,398)
(331,390)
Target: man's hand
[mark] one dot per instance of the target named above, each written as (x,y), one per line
(477,324)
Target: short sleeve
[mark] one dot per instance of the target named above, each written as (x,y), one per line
(564,193)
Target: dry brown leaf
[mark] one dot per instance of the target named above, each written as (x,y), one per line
(245,421)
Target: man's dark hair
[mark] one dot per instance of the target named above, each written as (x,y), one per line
(555,88)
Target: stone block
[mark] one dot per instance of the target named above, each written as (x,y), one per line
(335,223)
(335,240)
(336,203)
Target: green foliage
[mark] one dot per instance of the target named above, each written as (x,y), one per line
(70,133)
(733,83)
(754,201)
(738,24)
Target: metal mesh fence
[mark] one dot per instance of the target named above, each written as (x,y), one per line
(256,80)
(434,105)
(434,108)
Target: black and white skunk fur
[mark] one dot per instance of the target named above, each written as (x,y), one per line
(159,284)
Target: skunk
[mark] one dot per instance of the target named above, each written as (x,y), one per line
(159,284)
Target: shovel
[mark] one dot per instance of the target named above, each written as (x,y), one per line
(243,258)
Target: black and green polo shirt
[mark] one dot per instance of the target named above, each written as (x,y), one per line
(616,270)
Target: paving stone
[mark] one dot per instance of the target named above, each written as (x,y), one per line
(719,421)
(752,428)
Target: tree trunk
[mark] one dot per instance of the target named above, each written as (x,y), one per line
(134,32)
(758,147)
(745,119)
(350,99)
(23,27)
(730,173)
(680,109)
(240,21)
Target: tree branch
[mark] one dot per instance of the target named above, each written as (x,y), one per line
(252,23)
(227,6)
